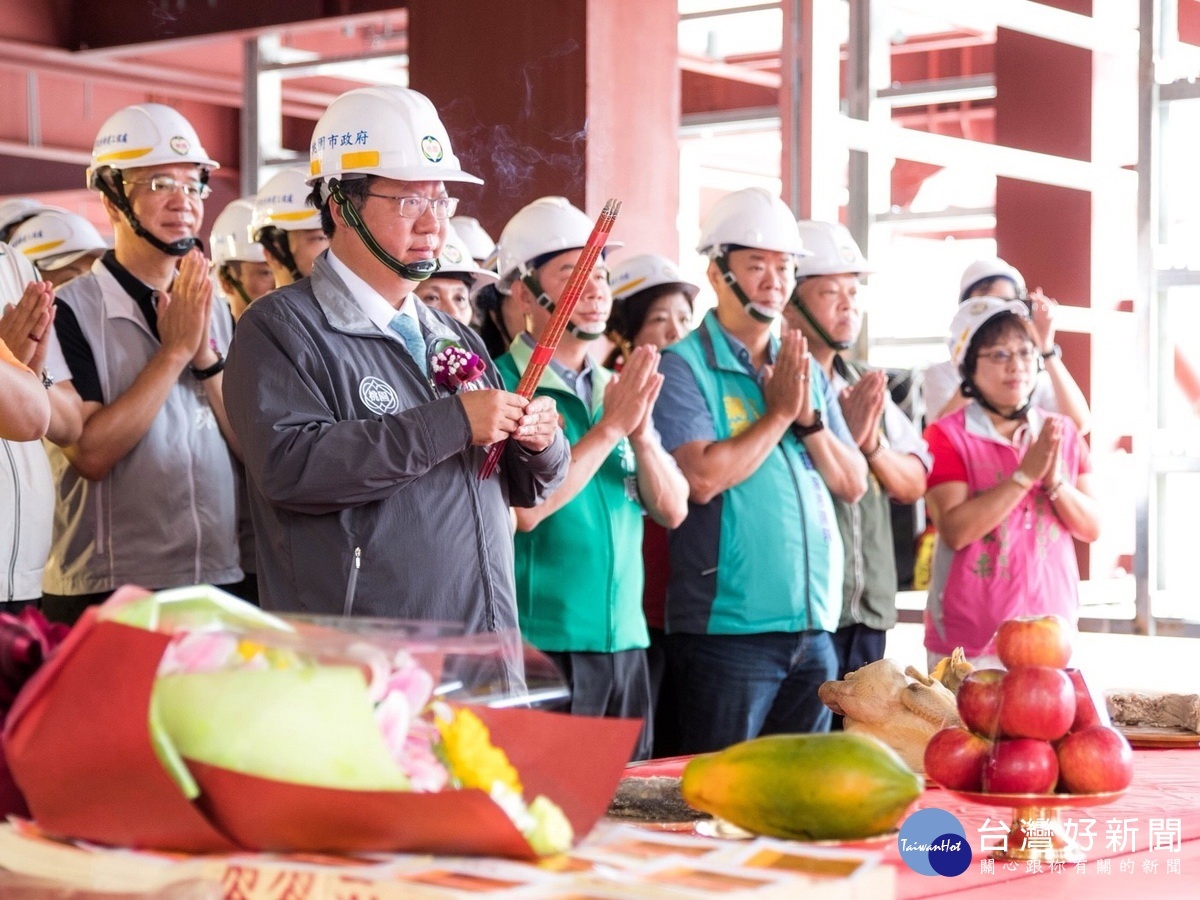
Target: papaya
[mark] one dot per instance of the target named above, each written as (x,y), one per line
(834,786)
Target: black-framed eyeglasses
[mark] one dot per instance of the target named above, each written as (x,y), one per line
(165,184)
(414,207)
(1026,356)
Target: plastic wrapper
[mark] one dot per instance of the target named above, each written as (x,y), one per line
(188,720)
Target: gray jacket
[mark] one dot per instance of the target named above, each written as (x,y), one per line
(363,482)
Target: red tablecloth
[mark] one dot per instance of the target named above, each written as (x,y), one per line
(1166,787)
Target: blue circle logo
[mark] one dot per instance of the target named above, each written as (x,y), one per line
(933,842)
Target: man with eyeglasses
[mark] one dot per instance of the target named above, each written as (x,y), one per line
(363,459)
(146,494)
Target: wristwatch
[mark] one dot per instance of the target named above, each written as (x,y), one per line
(214,369)
(880,445)
(803,431)
(1055,351)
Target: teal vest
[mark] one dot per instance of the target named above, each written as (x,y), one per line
(579,573)
(764,555)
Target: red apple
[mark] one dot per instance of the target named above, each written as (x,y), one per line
(1021,766)
(1086,714)
(954,758)
(1036,702)
(1034,641)
(978,701)
(1095,760)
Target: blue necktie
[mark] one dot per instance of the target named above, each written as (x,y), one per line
(410,331)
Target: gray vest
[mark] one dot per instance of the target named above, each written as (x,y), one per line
(164,516)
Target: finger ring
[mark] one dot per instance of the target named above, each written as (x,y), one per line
(36,340)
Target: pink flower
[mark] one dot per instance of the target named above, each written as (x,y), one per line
(420,763)
(198,651)
(453,366)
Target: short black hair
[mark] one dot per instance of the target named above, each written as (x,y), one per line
(354,189)
(629,315)
(991,333)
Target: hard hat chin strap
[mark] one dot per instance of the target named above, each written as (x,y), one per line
(226,272)
(968,389)
(814,324)
(114,190)
(731,280)
(417,271)
(275,241)
(543,300)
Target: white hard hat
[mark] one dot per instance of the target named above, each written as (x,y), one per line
(16,210)
(991,267)
(548,225)
(971,316)
(56,238)
(751,217)
(640,273)
(15,273)
(834,250)
(456,259)
(282,203)
(146,134)
(230,236)
(393,132)
(478,241)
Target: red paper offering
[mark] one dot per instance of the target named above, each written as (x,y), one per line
(99,740)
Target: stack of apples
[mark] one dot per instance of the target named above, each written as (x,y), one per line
(1032,729)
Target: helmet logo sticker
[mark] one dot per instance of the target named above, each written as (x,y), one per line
(848,254)
(452,254)
(378,396)
(431,148)
(180,145)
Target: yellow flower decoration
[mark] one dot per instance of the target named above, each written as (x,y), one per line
(472,757)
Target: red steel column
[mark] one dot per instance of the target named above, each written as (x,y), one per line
(544,97)
(1044,103)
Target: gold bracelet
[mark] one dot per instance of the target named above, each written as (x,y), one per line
(874,454)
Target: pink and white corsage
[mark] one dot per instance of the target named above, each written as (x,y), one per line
(453,366)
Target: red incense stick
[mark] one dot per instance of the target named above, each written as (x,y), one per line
(548,343)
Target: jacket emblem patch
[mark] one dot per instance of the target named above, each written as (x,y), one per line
(378,396)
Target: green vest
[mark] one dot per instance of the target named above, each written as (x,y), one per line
(764,555)
(579,573)
(869,592)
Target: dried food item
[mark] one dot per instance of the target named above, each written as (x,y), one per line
(1161,709)
(653,799)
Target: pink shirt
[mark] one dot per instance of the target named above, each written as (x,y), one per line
(1024,566)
